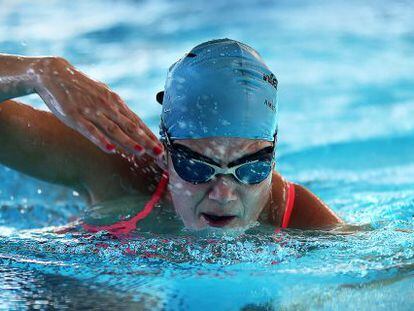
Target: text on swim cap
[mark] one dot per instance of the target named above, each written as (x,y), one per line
(271,79)
(270,104)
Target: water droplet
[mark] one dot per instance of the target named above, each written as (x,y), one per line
(70,71)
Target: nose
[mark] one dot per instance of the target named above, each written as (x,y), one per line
(223,190)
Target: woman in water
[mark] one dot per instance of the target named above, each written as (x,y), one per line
(214,165)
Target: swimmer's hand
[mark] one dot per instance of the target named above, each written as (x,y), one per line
(83,104)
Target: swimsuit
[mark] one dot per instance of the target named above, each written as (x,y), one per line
(126,226)
(290,202)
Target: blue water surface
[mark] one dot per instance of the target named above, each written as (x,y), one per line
(346,80)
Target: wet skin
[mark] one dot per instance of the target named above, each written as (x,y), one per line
(95,144)
(84,104)
(224,195)
(53,152)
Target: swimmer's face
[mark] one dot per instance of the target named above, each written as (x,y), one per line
(203,205)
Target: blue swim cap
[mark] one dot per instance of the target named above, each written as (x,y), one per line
(221,88)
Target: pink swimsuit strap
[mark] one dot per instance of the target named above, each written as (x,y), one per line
(290,202)
(126,226)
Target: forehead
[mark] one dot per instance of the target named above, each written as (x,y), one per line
(224,149)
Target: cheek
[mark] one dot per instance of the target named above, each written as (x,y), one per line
(185,195)
(255,197)
(256,191)
(179,187)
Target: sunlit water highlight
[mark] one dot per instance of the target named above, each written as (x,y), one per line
(346,132)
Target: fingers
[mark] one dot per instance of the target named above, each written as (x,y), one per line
(136,132)
(133,126)
(116,134)
(103,131)
(90,131)
(125,111)
(134,118)
(108,121)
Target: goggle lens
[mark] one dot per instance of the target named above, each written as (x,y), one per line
(198,172)
(192,171)
(255,172)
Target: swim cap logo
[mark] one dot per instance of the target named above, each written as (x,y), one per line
(270,104)
(271,79)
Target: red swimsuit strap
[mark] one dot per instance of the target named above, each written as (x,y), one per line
(290,202)
(127,226)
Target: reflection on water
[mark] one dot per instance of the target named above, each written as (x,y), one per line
(271,270)
(346,132)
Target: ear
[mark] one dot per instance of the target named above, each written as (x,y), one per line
(160,97)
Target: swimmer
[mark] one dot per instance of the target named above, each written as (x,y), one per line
(213,167)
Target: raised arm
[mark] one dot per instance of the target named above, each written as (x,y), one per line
(38,144)
(83,104)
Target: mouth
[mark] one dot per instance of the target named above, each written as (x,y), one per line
(217,221)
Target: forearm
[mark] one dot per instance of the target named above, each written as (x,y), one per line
(31,142)
(36,143)
(18,76)
(80,102)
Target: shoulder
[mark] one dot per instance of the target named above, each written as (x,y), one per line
(310,212)
(120,175)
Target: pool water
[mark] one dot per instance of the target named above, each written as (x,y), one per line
(346,83)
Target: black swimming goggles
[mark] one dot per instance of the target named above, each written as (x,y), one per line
(197,168)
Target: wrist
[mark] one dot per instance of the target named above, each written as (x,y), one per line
(36,72)
(42,70)
(17,76)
